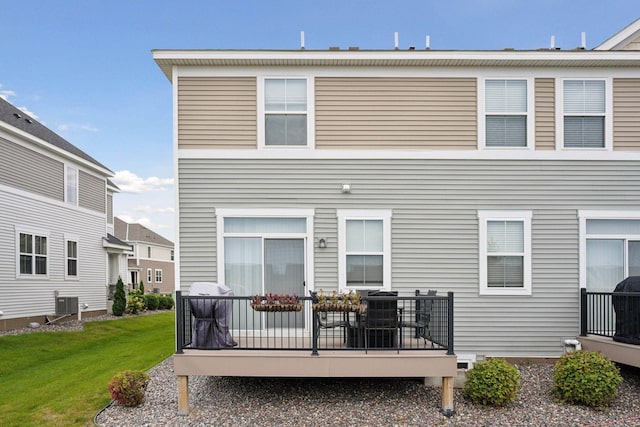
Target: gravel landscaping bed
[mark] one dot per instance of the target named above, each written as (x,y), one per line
(359,402)
(219,401)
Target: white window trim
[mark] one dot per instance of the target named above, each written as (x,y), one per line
(531,122)
(222,213)
(149,275)
(343,215)
(158,270)
(77,191)
(71,238)
(261,113)
(34,232)
(583,216)
(483,218)
(608,114)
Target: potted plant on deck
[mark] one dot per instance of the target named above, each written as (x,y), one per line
(275,302)
(344,302)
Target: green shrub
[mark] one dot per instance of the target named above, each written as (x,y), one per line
(119,299)
(492,382)
(587,378)
(128,387)
(152,301)
(166,302)
(142,287)
(136,303)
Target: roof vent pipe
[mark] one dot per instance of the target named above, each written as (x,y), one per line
(302,40)
(395,38)
(428,43)
(553,42)
(583,41)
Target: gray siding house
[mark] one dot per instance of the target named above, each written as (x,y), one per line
(511,178)
(56,204)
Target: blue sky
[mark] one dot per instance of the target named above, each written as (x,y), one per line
(84,67)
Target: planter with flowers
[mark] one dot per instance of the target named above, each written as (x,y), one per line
(344,302)
(275,302)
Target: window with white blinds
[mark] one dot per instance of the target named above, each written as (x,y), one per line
(285,106)
(505,113)
(584,109)
(505,252)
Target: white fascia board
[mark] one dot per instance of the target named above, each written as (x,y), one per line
(46,148)
(621,38)
(597,154)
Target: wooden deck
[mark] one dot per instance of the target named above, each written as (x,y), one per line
(619,352)
(327,364)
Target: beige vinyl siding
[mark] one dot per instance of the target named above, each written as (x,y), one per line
(545,114)
(626,114)
(633,45)
(217,112)
(434,229)
(91,192)
(414,113)
(30,171)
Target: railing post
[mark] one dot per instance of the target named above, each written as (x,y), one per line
(450,323)
(314,344)
(583,312)
(179,323)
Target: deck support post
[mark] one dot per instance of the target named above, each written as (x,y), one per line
(447,396)
(183,395)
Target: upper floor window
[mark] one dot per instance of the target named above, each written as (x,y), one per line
(506,117)
(505,252)
(285,112)
(364,246)
(172,255)
(33,254)
(72,257)
(71,185)
(584,110)
(148,251)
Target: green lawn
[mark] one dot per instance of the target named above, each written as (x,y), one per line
(60,378)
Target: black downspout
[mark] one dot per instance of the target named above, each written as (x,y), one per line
(179,322)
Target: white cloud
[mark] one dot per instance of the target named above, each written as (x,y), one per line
(5,94)
(152,210)
(75,126)
(129,182)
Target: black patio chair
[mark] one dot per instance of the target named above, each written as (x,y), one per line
(380,321)
(422,318)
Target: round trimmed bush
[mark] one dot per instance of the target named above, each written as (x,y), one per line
(586,378)
(492,382)
(165,302)
(128,387)
(152,301)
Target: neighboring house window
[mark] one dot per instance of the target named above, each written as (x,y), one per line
(285,112)
(71,185)
(158,276)
(172,255)
(506,113)
(149,252)
(364,241)
(71,250)
(33,254)
(505,252)
(584,109)
(611,249)
(149,275)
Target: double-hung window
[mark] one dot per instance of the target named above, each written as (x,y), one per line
(506,113)
(149,275)
(584,109)
(33,254)
(285,112)
(364,249)
(71,254)
(158,275)
(71,185)
(505,252)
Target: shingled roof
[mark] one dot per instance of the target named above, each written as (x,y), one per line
(18,119)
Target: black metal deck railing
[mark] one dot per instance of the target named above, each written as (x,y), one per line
(597,311)
(417,323)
